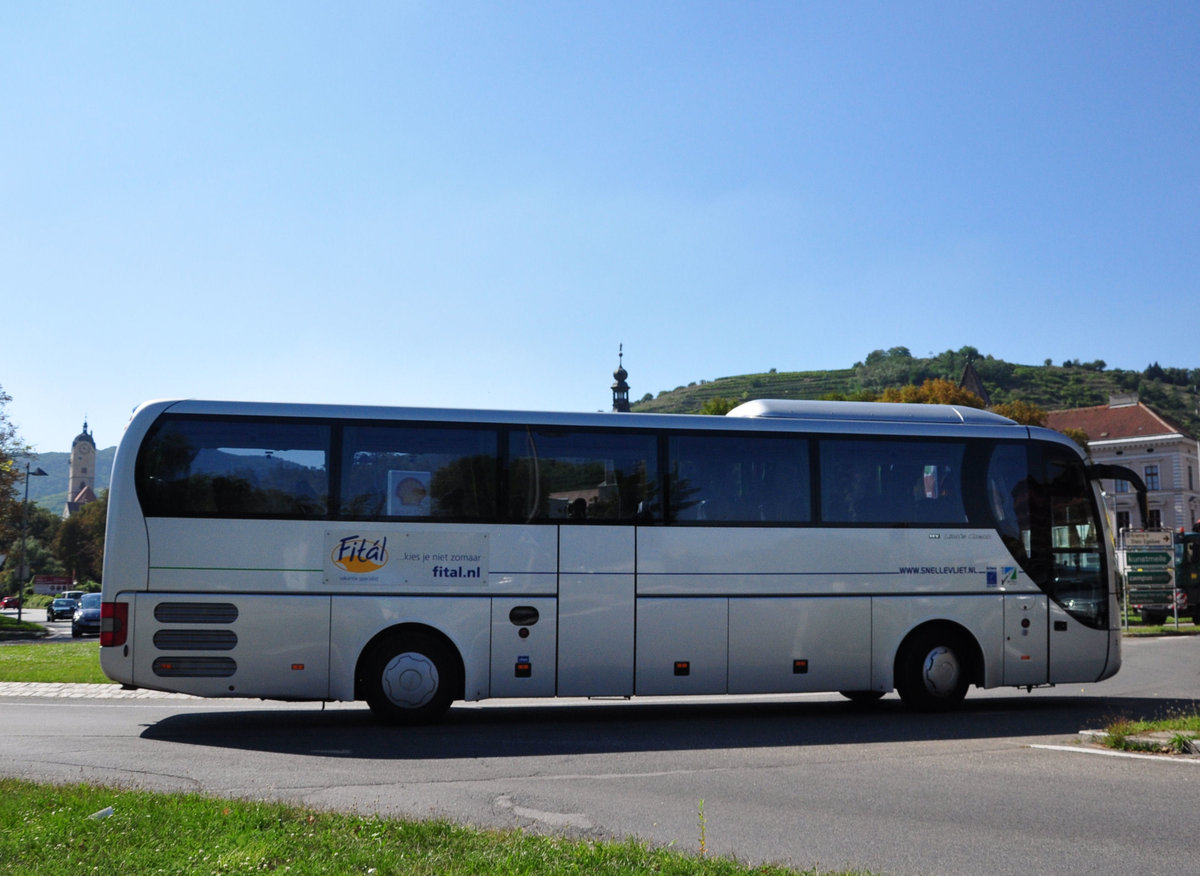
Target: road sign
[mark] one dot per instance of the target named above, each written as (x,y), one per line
(1148,558)
(1144,539)
(1161,577)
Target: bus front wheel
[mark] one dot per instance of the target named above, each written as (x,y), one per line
(410,679)
(933,670)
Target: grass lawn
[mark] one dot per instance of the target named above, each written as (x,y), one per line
(1185,628)
(1125,733)
(56,662)
(9,623)
(50,829)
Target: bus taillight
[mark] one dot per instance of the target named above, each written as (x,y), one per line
(114,618)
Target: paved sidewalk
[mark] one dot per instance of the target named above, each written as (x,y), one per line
(83,691)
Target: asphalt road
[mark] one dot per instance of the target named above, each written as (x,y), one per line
(1001,787)
(58,631)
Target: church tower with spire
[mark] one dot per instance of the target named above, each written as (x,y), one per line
(620,389)
(81,479)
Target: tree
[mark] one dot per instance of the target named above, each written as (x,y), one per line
(993,371)
(937,391)
(859,395)
(40,531)
(886,368)
(79,545)
(718,406)
(1177,376)
(1080,437)
(1022,411)
(11,447)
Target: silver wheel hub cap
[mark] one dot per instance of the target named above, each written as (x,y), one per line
(410,680)
(941,671)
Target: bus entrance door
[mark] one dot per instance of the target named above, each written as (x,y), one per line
(1079,651)
(1026,642)
(595,610)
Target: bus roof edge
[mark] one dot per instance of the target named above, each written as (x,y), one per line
(890,412)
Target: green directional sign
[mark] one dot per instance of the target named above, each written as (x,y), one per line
(1159,577)
(1148,558)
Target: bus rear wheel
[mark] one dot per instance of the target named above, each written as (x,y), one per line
(933,671)
(410,679)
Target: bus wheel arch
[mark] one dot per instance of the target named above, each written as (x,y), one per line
(409,674)
(935,664)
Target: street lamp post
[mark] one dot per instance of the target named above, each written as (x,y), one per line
(21,576)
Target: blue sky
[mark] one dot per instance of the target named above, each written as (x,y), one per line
(472,204)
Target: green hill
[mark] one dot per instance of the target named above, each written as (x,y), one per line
(1170,391)
(51,492)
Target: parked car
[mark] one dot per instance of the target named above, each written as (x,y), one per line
(61,608)
(86,619)
(10,602)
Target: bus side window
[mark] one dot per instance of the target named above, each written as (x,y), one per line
(852,489)
(418,472)
(581,476)
(248,468)
(892,483)
(720,479)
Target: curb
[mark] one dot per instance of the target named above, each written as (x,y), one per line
(84,691)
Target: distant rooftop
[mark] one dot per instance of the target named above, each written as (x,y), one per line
(1123,418)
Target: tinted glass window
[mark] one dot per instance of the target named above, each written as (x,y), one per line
(731,478)
(892,482)
(250,468)
(1078,581)
(1008,493)
(404,471)
(582,476)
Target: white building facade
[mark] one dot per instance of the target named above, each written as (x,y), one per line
(1127,432)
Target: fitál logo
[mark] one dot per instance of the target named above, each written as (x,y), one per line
(360,555)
